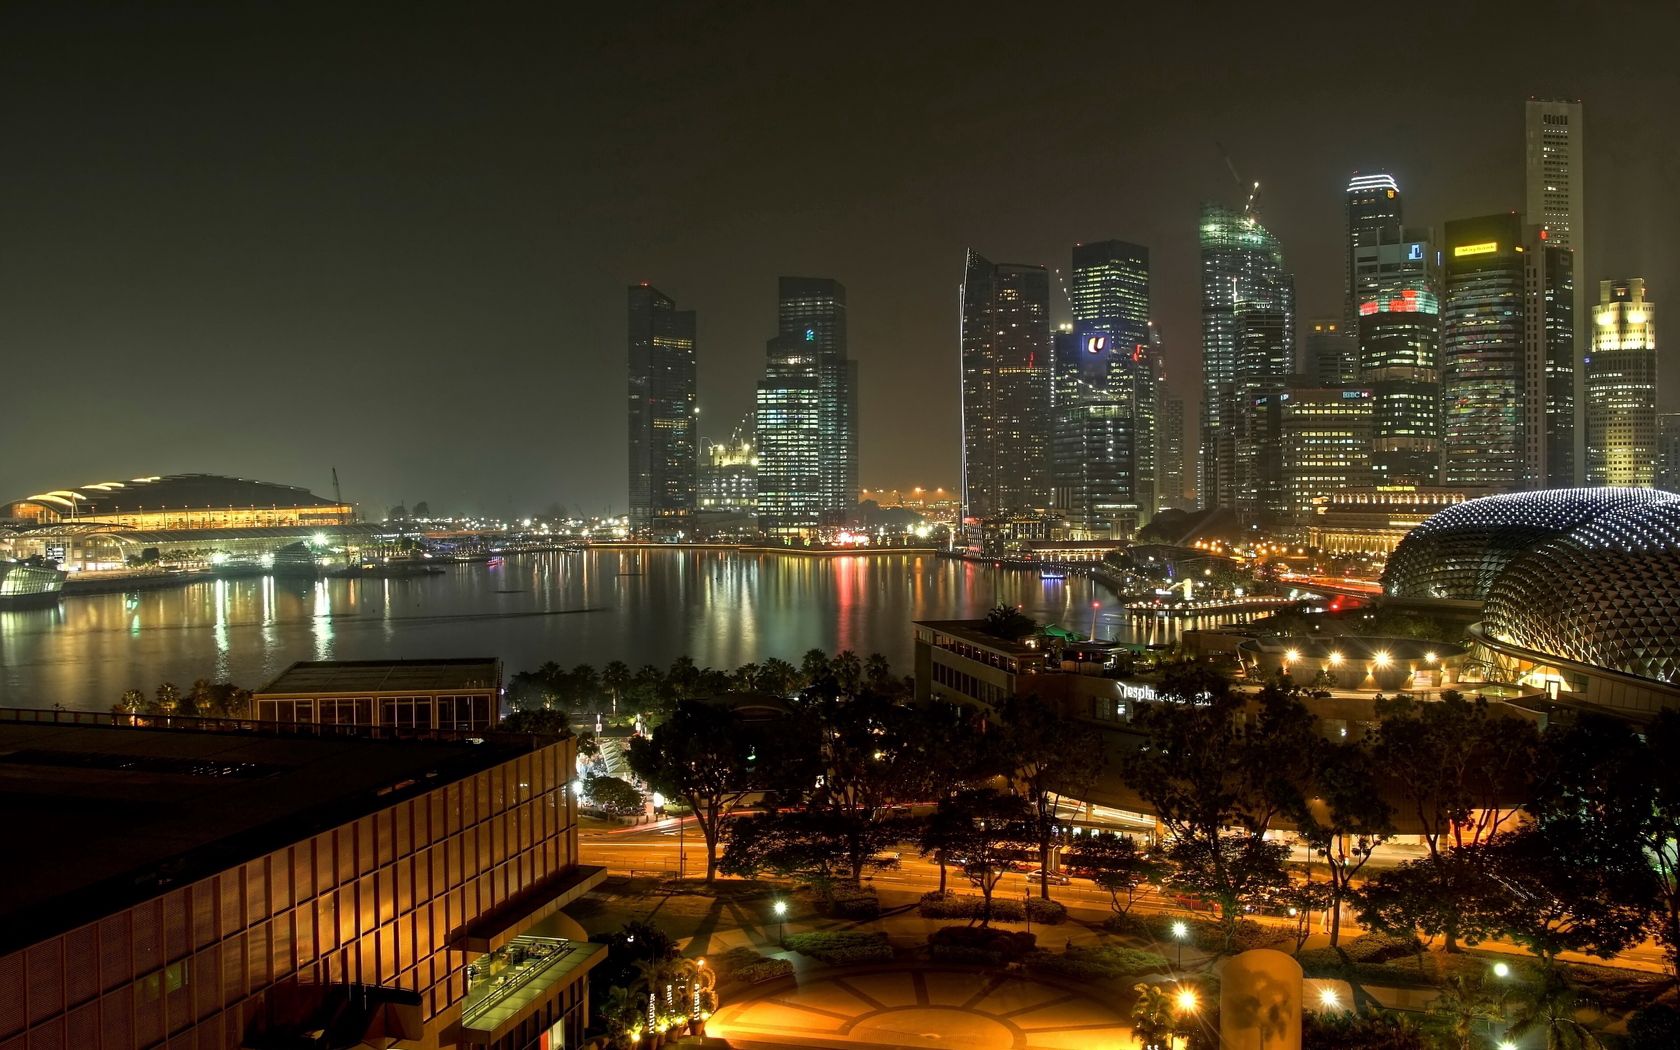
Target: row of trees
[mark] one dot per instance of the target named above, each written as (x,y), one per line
(615,688)
(206,699)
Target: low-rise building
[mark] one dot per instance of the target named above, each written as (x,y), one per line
(392,694)
(246,885)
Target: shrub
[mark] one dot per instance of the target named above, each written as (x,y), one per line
(1099,962)
(747,966)
(852,902)
(1381,947)
(1655,1025)
(956,906)
(838,948)
(1342,1031)
(979,944)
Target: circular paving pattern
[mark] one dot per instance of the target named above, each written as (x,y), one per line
(958,1009)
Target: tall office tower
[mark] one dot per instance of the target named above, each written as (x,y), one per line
(1373,205)
(1103,448)
(1265,354)
(1668,451)
(1556,201)
(1248,298)
(1006,381)
(1399,343)
(1621,386)
(1329,351)
(664,451)
(1550,412)
(788,431)
(1482,354)
(812,310)
(1170,454)
(1324,434)
(1110,298)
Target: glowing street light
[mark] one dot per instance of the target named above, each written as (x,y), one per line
(1382,658)
(1501,970)
(1328,999)
(1335,659)
(1180,933)
(1186,1001)
(780,908)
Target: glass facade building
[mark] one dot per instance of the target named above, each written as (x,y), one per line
(1325,434)
(1621,387)
(1482,354)
(1006,388)
(1556,202)
(1399,344)
(1248,322)
(1329,351)
(664,447)
(806,419)
(1373,206)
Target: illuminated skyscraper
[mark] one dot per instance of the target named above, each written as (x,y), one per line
(1373,205)
(1248,323)
(729,472)
(1399,345)
(1668,451)
(1006,395)
(1556,201)
(1621,387)
(1329,351)
(1507,357)
(1111,290)
(807,412)
(1324,434)
(663,446)
(1169,450)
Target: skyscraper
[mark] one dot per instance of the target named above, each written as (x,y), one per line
(1507,357)
(1329,351)
(1324,436)
(1170,454)
(1399,345)
(1373,205)
(1248,320)
(1556,201)
(1621,387)
(663,447)
(1482,353)
(1111,290)
(1668,451)
(807,412)
(1006,381)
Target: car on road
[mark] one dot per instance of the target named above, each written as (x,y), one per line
(1056,878)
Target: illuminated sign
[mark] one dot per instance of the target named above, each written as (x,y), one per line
(810,335)
(1137,353)
(1414,252)
(1096,344)
(1390,194)
(1485,248)
(1137,692)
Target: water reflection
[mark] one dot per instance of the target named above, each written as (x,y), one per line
(724,609)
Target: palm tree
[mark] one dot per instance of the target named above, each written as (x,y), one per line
(1462,1007)
(848,672)
(777,676)
(1152,1017)
(168,698)
(616,677)
(879,674)
(1550,1007)
(813,667)
(133,700)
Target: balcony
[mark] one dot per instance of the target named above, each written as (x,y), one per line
(507,984)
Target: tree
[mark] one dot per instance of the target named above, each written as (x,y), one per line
(777,677)
(1659,834)
(814,668)
(1450,895)
(1009,623)
(168,698)
(1203,773)
(1550,1006)
(132,703)
(616,677)
(616,796)
(1560,894)
(584,687)
(982,831)
(703,755)
(1115,863)
(1152,1017)
(814,847)
(848,672)
(878,676)
(873,756)
(1461,772)
(541,720)
(1345,821)
(1464,1006)
(1051,756)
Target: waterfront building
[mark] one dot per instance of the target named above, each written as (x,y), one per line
(1248,320)
(1110,300)
(1265,354)
(1329,351)
(729,473)
(1621,387)
(663,401)
(807,427)
(245,885)
(1399,343)
(1169,448)
(1485,347)
(1372,206)
(396,695)
(1325,444)
(1555,177)
(1668,451)
(1373,520)
(1006,388)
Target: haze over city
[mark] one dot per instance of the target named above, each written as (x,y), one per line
(268,241)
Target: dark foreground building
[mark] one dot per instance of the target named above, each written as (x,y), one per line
(211,889)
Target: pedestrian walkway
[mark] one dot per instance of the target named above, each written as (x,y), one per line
(950,1007)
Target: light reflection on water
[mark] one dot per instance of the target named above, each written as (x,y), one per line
(722,608)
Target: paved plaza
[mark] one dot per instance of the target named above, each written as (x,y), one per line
(921,1007)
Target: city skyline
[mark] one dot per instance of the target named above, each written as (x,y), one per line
(502,259)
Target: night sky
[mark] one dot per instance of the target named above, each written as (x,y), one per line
(268,239)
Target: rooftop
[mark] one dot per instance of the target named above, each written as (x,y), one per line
(974,633)
(323,678)
(174,492)
(101,818)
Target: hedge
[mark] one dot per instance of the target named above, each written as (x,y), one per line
(747,966)
(979,944)
(1099,962)
(1004,909)
(851,902)
(838,948)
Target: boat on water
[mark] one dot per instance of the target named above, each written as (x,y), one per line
(23,584)
(1050,572)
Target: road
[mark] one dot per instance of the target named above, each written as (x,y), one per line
(652,849)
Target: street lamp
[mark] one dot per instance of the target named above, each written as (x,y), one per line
(1328,999)
(780,909)
(1180,931)
(1501,970)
